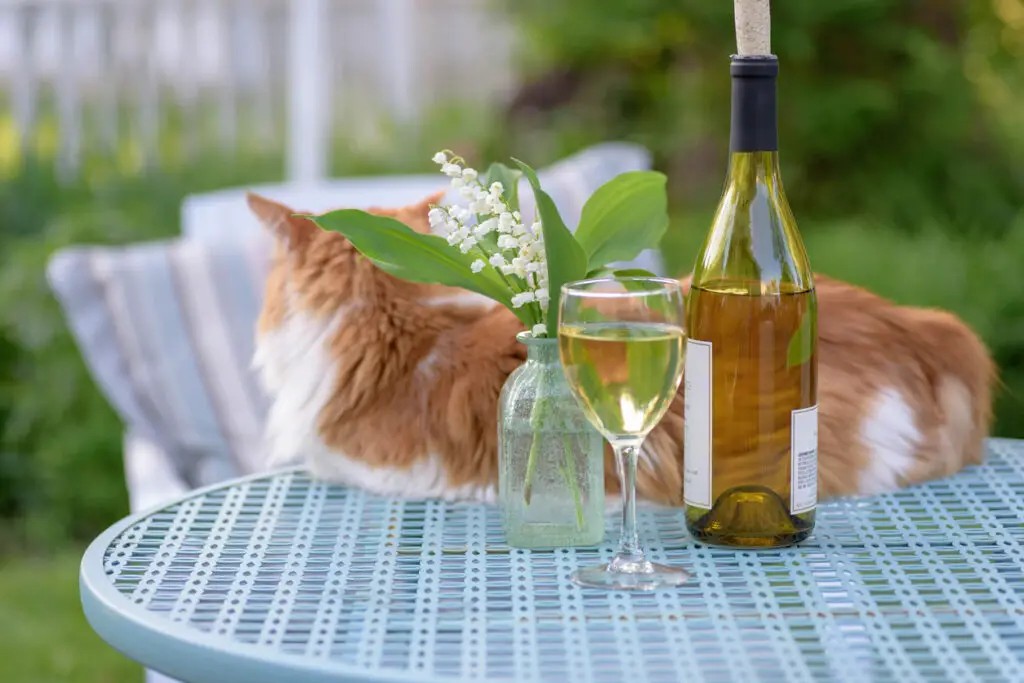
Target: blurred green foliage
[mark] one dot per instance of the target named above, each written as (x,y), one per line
(906,110)
(61,474)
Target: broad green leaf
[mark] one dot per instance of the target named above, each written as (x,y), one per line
(667,307)
(632,272)
(509,180)
(397,249)
(801,345)
(566,259)
(605,271)
(622,272)
(625,216)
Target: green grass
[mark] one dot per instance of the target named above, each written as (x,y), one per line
(46,638)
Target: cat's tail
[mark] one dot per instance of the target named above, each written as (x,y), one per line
(964,384)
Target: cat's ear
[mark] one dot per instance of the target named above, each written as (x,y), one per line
(280,220)
(432,200)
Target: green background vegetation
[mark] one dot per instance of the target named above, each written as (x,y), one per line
(902,127)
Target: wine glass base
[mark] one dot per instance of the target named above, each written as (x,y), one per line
(640,576)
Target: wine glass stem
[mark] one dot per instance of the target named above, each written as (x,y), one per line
(629,541)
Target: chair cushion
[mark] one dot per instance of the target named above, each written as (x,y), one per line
(224,215)
(166,327)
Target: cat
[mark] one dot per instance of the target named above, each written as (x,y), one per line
(393,386)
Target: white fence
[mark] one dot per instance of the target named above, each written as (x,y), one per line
(287,73)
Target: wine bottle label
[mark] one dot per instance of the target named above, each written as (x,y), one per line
(803,445)
(697,424)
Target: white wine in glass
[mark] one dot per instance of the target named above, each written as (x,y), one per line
(621,341)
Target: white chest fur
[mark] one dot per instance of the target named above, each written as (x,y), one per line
(300,375)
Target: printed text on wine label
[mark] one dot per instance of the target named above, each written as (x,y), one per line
(804,460)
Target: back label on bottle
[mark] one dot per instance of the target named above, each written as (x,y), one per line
(803,487)
(697,424)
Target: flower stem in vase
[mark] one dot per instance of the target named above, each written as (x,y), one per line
(536,415)
(570,475)
(537,423)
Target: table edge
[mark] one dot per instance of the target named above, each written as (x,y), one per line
(194,656)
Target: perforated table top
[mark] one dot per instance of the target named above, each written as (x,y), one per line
(281,579)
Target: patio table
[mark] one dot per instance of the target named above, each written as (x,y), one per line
(280,579)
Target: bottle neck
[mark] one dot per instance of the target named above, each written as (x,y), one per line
(754,136)
(754,124)
(748,170)
(541,350)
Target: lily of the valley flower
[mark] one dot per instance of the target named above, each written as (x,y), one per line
(437,218)
(486,228)
(523,298)
(505,222)
(499,237)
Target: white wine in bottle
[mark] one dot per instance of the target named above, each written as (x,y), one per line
(751,416)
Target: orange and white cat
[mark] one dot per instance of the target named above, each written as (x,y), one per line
(393,386)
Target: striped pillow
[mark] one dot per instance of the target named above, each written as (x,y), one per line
(166,328)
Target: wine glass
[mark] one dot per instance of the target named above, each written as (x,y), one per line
(621,342)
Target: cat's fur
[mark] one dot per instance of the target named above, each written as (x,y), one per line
(393,386)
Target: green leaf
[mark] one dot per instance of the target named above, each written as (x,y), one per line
(509,179)
(566,259)
(625,216)
(399,250)
(622,272)
(801,345)
(604,271)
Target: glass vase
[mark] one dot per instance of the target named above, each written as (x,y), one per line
(550,458)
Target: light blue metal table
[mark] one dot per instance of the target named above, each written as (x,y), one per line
(279,579)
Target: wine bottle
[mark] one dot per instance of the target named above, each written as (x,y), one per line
(751,417)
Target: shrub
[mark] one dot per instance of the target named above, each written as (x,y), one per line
(61,472)
(903,111)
